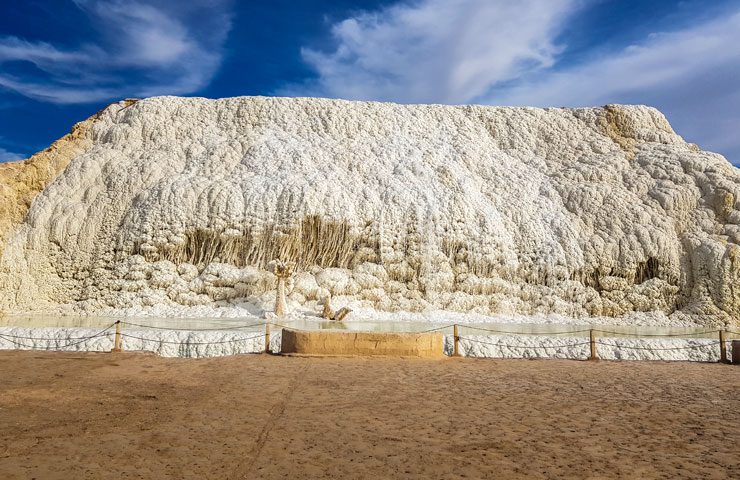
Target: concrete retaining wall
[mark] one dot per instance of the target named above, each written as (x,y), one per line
(330,342)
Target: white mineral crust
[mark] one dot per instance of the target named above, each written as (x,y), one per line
(181,202)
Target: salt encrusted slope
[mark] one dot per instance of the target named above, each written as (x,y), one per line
(22,180)
(594,211)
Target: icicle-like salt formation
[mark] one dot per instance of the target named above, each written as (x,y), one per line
(592,211)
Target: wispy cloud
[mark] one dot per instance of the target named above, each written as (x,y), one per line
(691,75)
(507,53)
(142,49)
(436,50)
(6,156)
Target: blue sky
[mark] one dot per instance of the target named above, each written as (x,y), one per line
(61,61)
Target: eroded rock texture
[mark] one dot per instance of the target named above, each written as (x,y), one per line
(582,212)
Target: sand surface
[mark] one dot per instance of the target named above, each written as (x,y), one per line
(89,416)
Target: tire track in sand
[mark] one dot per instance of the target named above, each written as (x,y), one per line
(243,469)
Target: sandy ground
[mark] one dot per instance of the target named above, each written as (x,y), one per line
(89,416)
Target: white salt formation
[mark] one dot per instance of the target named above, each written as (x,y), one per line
(183,201)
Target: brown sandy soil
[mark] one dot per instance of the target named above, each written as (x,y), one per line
(86,416)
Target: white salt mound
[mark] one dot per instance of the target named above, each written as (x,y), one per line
(181,202)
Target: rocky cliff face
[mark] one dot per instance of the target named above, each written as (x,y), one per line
(581,212)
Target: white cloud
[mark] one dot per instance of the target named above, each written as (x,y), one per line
(6,156)
(436,50)
(144,49)
(505,53)
(692,75)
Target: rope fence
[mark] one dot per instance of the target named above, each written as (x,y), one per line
(218,342)
(153,327)
(13,339)
(596,337)
(628,347)
(510,332)
(594,340)
(505,345)
(438,329)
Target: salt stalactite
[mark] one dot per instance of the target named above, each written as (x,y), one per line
(329,313)
(184,201)
(282,271)
(312,241)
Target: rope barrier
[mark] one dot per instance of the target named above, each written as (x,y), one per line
(235,327)
(285,326)
(655,349)
(472,339)
(16,343)
(101,333)
(436,329)
(610,332)
(261,335)
(106,331)
(524,333)
(627,347)
(656,334)
(7,335)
